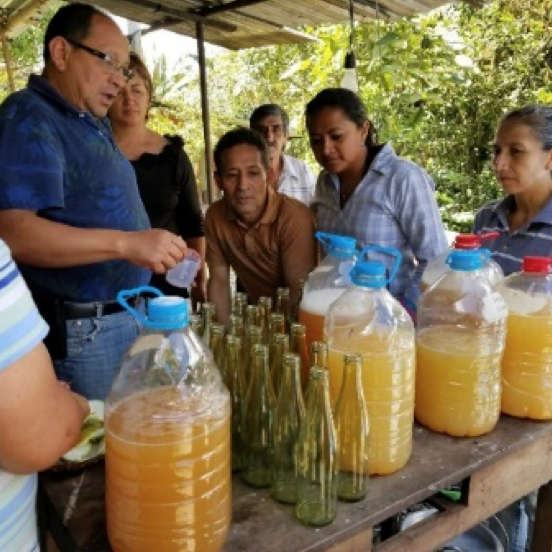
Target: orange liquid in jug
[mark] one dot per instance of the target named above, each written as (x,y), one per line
(388,385)
(457,381)
(167,476)
(527,367)
(312,312)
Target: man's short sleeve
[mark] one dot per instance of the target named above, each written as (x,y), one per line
(214,254)
(21,326)
(32,160)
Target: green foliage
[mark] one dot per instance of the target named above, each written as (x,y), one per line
(435,85)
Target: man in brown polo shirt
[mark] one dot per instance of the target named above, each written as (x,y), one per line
(266,237)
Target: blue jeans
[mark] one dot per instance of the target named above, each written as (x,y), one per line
(95,350)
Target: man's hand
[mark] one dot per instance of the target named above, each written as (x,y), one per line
(157,250)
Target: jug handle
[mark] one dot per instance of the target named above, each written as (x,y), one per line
(125,294)
(391,251)
(323,237)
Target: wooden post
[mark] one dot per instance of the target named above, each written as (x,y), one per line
(205,111)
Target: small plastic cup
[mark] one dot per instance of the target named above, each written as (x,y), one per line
(183,274)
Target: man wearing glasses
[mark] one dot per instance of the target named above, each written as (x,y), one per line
(69,205)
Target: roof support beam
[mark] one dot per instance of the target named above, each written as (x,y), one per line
(183,15)
(230,6)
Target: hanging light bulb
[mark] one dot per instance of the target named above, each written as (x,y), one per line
(350,78)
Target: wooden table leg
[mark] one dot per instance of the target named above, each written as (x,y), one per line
(542,530)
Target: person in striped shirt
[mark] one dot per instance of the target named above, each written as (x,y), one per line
(40,418)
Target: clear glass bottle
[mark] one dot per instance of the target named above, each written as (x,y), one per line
(288,419)
(167,402)
(317,456)
(196,324)
(298,345)
(236,386)
(278,347)
(353,431)
(259,422)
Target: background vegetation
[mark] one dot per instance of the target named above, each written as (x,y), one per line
(434,85)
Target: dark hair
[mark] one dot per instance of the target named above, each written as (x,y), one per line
(266,110)
(138,67)
(539,120)
(236,137)
(72,21)
(348,102)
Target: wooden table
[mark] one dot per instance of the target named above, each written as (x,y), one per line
(494,469)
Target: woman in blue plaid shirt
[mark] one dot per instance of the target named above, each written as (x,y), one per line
(367,191)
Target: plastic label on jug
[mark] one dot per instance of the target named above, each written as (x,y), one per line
(493,308)
(345,272)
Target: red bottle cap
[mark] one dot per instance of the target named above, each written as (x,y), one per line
(467,241)
(540,265)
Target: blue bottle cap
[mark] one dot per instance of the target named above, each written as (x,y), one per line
(467,260)
(338,246)
(370,274)
(167,313)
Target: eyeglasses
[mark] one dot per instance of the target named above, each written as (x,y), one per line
(111,65)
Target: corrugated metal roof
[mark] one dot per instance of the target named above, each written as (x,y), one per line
(236,24)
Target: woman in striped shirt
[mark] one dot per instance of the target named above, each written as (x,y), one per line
(40,419)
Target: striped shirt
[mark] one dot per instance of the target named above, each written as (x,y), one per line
(21,329)
(392,206)
(296,180)
(534,239)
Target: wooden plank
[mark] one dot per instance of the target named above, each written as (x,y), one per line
(359,543)
(491,489)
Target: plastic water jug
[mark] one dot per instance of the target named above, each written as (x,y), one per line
(527,361)
(463,242)
(326,282)
(168,469)
(368,320)
(460,341)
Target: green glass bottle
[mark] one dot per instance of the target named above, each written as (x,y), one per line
(353,431)
(196,324)
(216,344)
(252,316)
(298,345)
(264,304)
(253,337)
(317,455)
(289,416)
(236,326)
(283,305)
(278,347)
(277,324)
(236,386)
(208,315)
(319,354)
(239,303)
(258,422)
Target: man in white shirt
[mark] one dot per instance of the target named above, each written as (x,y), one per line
(286,175)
